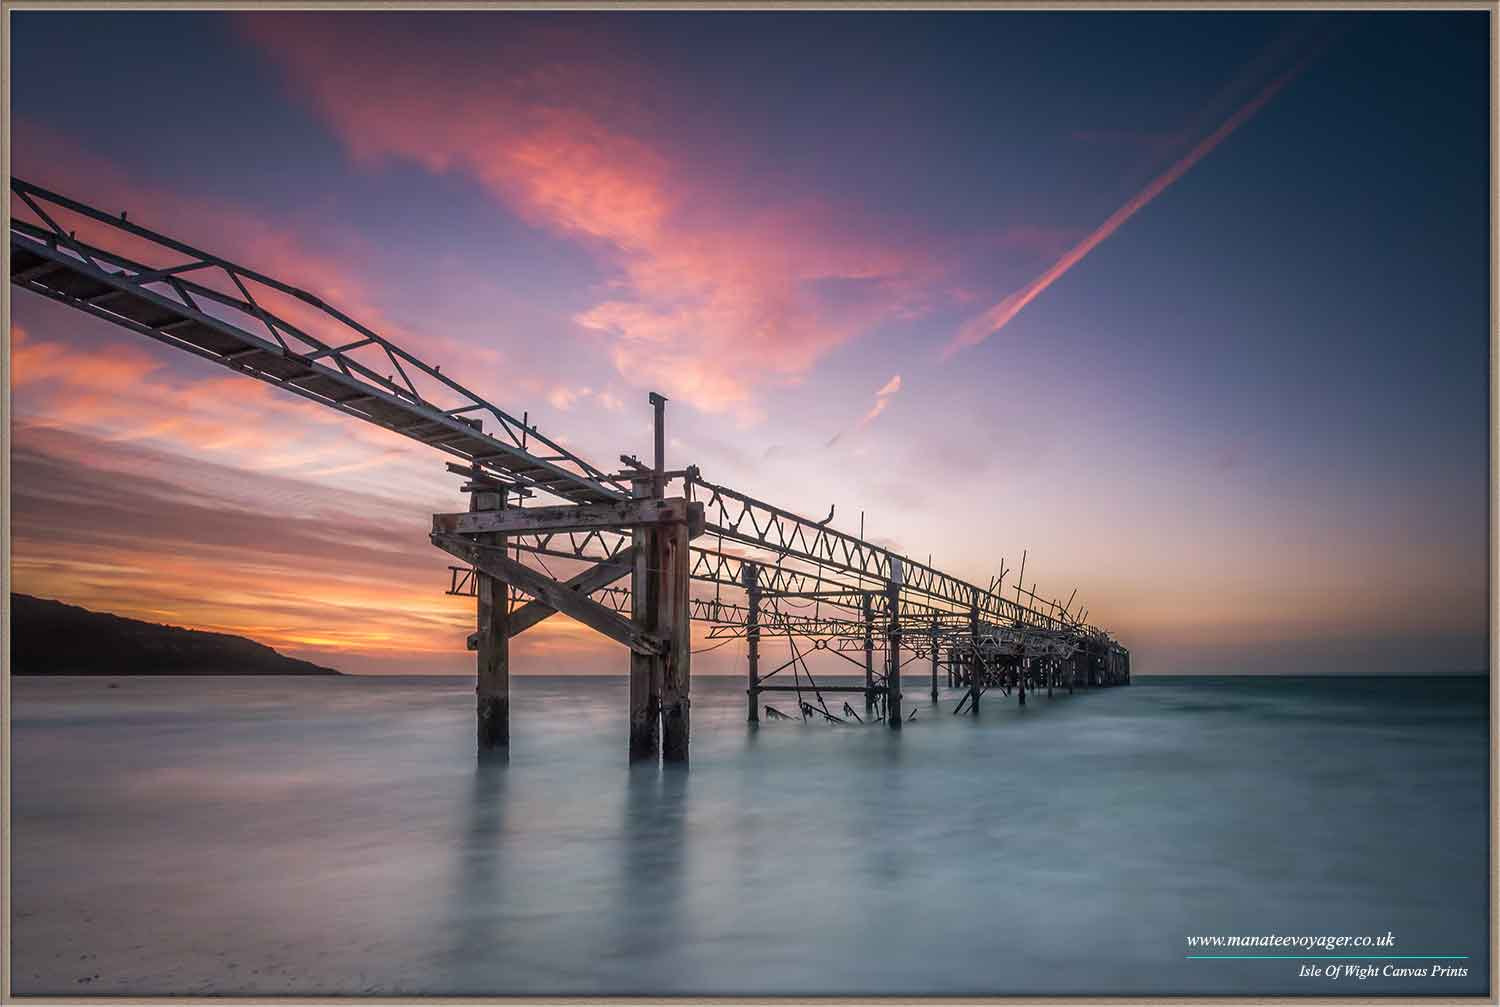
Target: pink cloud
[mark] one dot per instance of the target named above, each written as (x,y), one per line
(714,295)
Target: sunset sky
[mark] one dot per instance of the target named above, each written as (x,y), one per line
(1192,307)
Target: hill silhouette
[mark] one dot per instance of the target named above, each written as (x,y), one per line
(53,638)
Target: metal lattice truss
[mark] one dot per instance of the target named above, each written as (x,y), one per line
(726,620)
(269,330)
(860,565)
(816,582)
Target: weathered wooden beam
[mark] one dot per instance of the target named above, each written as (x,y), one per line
(543,588)
(581,517)
(674,623)
(645,669)
(492,685)
(586,583)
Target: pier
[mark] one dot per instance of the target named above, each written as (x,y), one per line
(648,550)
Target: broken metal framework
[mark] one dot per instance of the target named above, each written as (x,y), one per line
(762,573)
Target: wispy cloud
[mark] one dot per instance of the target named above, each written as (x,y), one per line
(563,397)
(997,317)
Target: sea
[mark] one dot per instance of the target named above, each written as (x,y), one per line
(317,836)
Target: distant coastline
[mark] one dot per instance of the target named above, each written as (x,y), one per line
(53,638)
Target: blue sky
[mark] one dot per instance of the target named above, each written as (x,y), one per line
(1249,424)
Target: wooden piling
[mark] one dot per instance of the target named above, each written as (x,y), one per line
(673,622)
(752,636)
(492,684)
(645,669)
(1021,680)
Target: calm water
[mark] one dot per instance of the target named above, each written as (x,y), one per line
(335,835)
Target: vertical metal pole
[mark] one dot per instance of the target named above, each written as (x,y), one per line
(645,688)
(492,682)
(893,654)
(869,607)
(934,659)
(975,662)
(658,480)
(752,635)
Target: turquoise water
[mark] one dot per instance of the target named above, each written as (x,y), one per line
(271,836)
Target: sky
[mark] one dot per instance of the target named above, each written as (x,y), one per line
(1191,307)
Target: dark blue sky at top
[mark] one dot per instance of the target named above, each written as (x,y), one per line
(1352,207)
(1319,282)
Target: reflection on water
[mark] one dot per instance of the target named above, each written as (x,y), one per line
(313,836)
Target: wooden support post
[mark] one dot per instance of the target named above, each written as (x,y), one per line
(974,660)
(1050,671)
(752,636)
(645,669)
(673,622)
(1021,679)
(869,610)
(934,659)
(492,683)
(893,653)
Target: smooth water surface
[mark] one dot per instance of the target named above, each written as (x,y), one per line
(278,835)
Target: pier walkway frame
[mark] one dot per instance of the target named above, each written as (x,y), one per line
(705,553)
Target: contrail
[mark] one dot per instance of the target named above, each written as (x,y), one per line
(882,399)
(996,318)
